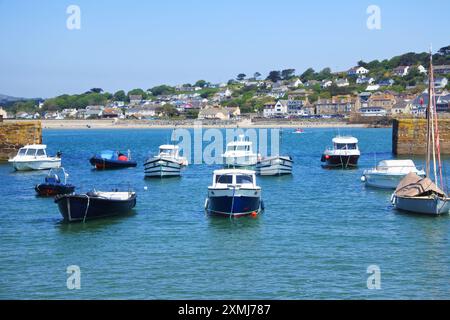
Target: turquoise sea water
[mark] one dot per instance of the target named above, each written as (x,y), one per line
(320,231)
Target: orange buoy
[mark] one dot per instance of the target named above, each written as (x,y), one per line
(254,214)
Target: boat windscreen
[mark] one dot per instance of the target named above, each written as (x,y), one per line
(225,179)
(22,152)
(31,152)
(108,154)
(241,179)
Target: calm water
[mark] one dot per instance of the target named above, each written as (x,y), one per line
(319,233)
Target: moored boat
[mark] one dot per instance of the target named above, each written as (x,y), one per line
(34,157)
(424,195)
(167,163)
(108,159)
(55,183)
(239,153)
(234,193)
(344,153)
(274,166)
(298,130)
(388,173)
(97,204)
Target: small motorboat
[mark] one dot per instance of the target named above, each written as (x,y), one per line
(239,153)
(108,159)
(234,193)
(34,157)
(55,183)
(96,204)
(167,163)
(344,153)
(388,173)
(299,130)
(274,166)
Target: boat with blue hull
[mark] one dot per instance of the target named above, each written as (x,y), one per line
(234,193)
(108,159)
(55,183)
(92,205)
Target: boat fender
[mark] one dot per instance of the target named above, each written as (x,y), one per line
(363,178)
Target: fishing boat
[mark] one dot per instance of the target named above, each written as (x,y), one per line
(167,163)
(234,193)
(388,173)
(274,166)
(239,153)
(424,195)
(55,183)
(34,157)
(108,159)
(344,153)
(96,204)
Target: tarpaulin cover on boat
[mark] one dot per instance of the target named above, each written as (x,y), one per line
(412,186)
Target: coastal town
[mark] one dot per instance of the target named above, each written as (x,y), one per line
(367,91)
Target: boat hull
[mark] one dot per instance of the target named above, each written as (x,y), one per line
(424,205)
(50,189)
(240,161)
(162,168)
(83,207)
(226,202)
(340,161)
(101,163)
(382,181)
(276,166)
(36,165)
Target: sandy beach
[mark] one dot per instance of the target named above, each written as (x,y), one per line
(169,124)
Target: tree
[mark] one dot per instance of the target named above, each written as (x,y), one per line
(274,76)
(256,75)
(200,83)
(169,110)
(287,74)
(162,90)
(324,74)
(120,96)
(96,90)
(309,74)
(241,76)
(137,92)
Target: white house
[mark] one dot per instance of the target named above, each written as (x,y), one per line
(422,69)
(373,87)
(363,80)
(342,83)
(401,71)
(326,83)
(356,71)
(440,83)
(278,109)
(3,113)
(372,112)
(295,83)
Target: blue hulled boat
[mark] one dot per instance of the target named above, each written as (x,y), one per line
(234,193)
(108,159)
(55,183)
(81,207)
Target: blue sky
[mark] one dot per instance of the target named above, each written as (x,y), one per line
(139,44)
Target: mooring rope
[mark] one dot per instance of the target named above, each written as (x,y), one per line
(87,208)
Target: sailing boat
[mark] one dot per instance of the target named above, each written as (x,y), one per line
(422,195)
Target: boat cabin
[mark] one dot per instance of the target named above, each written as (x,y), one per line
(33,150)
(345,143)
(241,144)
(234,177)
(168,150)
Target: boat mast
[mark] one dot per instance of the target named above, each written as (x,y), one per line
(432,110)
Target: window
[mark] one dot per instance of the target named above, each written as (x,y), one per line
(225,179)
(31,152)
(40,152)
(22,152)
(244,179)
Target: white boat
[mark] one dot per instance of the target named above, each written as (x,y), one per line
(274,166)
(34,157)
(424,195)
(344,153)
(234,193)
(167,163)
(388,173)
(239,153)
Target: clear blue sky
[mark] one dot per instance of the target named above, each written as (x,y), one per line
(139,44)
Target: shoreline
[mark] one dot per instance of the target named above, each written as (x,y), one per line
(142,124)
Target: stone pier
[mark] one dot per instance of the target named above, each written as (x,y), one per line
(409,136)
(16,134)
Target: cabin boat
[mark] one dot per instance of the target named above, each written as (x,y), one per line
(234,193)
(97,204)
(108,159)
(239,153)
(34,157)
(344,153)
(388,173)
(55,183)
(274,166)
(423,195)
(167,163)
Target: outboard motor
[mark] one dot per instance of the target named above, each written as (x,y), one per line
(59,154)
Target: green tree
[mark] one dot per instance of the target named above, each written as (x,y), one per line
(309,74)
(256,75)
(241,76)
(120,96)
(274,76)
(287,74)
(200,83)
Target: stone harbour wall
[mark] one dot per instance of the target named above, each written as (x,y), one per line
(409,136)
(16,134)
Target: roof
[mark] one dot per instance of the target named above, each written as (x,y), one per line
(345,140)
(168,146)
(233,171)
(396,163)
(35,146)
